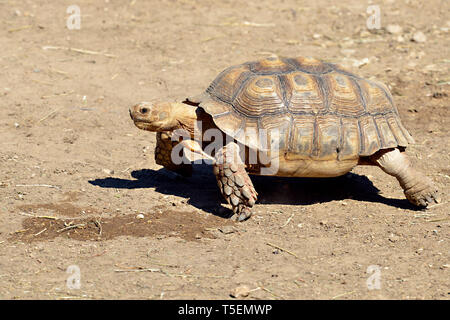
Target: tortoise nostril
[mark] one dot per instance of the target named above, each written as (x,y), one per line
(144,110)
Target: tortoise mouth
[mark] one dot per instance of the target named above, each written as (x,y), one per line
(144,125)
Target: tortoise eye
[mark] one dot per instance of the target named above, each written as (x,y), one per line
(144,110)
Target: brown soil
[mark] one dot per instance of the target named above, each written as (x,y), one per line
(75,172)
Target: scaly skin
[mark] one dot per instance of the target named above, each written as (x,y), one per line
(418,189)
(163,151)
(234,182)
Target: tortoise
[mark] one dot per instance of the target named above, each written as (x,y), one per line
(323,119)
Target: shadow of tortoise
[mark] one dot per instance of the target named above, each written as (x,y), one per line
(201,190)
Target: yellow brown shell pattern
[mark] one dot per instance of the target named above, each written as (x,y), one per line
(320,110)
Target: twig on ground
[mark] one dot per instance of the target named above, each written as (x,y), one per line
(71,227)
(42,217)
(282,249)
(36,234)
(167,273)
(38,185)
(269,291)
(440,219)
(99,226)
(288,220)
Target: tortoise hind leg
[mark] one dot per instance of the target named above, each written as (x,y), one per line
(163,153)
(234,182)
(418,189)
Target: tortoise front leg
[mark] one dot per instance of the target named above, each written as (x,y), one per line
(418,189)
(234,182)
(163,152)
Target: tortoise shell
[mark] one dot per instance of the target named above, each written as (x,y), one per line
(321,111)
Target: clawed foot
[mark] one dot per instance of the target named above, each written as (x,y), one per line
(423,198)
(242,215)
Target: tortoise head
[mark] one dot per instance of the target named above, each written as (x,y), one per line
(154,116)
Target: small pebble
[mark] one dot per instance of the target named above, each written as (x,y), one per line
(393,238)
(394,29)
(419,37)
(140,216)
(241,291)
(227,229)
(400,38)
(360,63)
(108,171)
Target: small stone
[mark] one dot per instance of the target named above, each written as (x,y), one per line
(393,238)
(419,37)
(241,291)
(317,36)
(16,125)
(400,38)
(140,216)
(108,171)
(360,63)
(394,29)
(227,229)
(364,34)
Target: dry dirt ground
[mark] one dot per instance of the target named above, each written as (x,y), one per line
(75,172)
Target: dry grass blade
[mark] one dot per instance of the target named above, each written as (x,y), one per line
(50,114)
(139,270)
(57,94)
(20,28)
(83,51)
(342,294)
